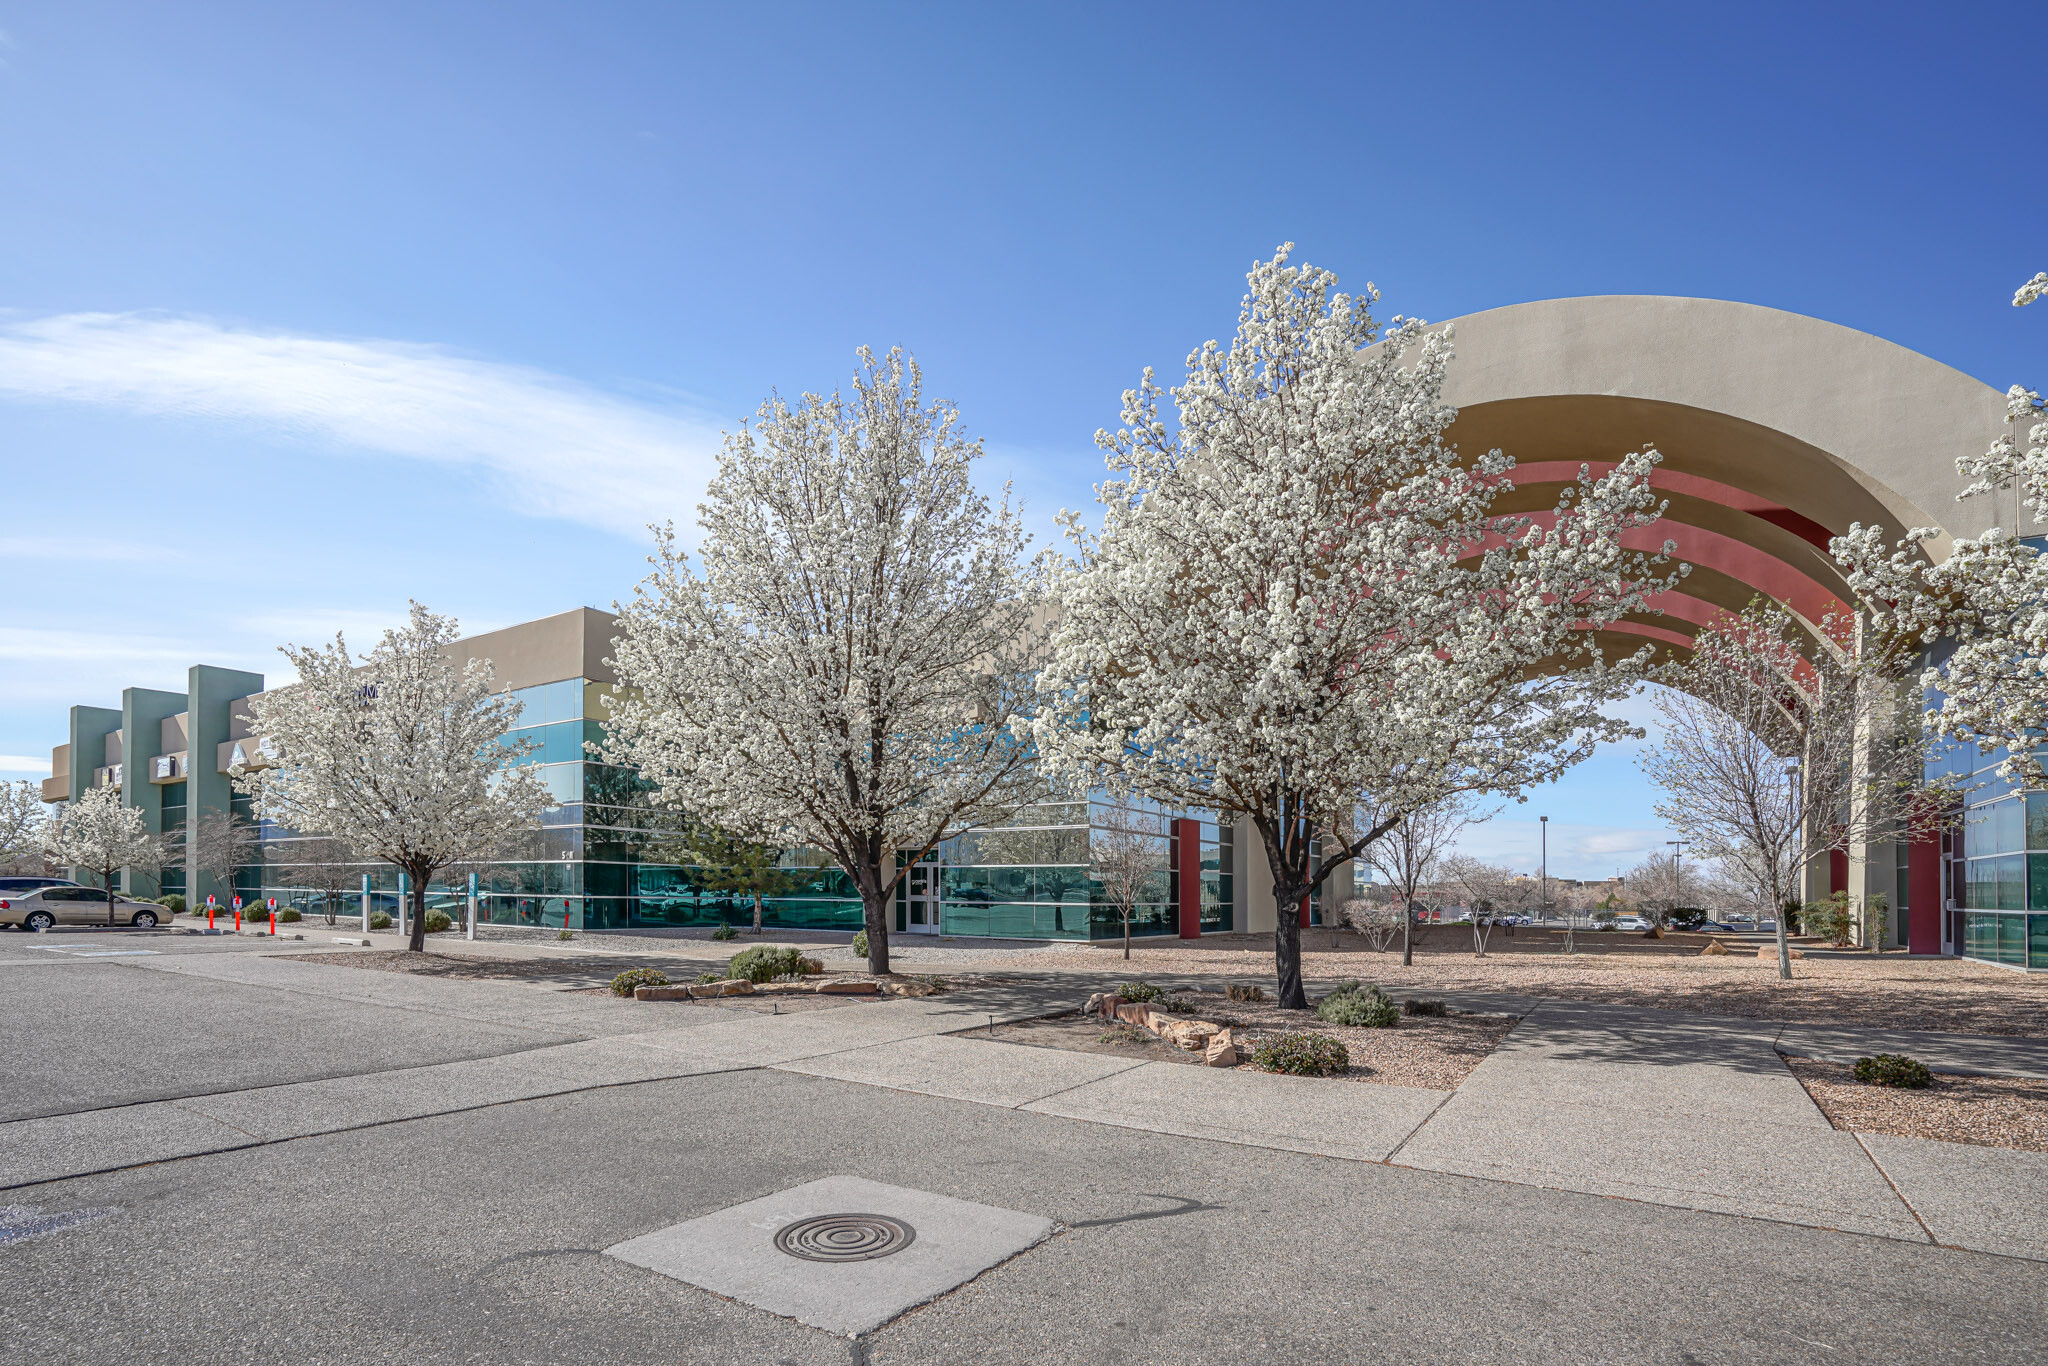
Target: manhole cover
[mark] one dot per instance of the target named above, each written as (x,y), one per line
(845,1237)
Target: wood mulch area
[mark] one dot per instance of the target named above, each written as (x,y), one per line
(464,967)
(1993,1112)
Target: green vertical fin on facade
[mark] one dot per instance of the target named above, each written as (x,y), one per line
(90,727)
(143,713)
(210,693)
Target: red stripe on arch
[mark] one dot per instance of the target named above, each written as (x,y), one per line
(1540,472)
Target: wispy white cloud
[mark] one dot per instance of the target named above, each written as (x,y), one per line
(555,447)
(24,763)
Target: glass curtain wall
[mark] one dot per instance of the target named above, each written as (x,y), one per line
(606,858)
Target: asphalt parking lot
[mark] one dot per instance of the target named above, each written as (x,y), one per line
(478,1236)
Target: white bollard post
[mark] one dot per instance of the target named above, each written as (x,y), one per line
(472,906)
(404,925)
(366,903)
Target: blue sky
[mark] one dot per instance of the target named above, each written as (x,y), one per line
(306,309)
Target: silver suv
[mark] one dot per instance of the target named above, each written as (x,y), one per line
(44,907)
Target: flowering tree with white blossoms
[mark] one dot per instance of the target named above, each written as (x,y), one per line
(1988,598)
(848,665)
(1301,597)
(98,835)
(400,754)
(22,818)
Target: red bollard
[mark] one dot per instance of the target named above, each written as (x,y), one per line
(209,915)
(273,922)
(238,920)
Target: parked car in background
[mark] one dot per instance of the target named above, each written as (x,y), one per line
(30,884)
(71,904)
(1631,922)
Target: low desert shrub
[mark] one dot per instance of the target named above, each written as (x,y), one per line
(705,979)
(1237,991)
(764,963)
(809,967)
(860,943)
(288,916)
(563,934)
(1358,1008)
(1174,1005)
(380,921)
(1302,1055)
(623,984)
(1416,1005)
(1123,1033)
(437,922)
(1139,993)
(174,903)
(1893,1069)
(724,932)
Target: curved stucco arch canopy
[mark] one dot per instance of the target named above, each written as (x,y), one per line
(1777,430)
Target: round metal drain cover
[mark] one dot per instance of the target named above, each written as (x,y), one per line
(845,1237)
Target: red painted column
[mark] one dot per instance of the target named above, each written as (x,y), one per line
(1304,913)
(1838,870)
(1923,895)
(1187,868)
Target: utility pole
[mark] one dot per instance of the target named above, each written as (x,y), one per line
(1543,829)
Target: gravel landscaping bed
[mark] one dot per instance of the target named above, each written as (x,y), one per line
(1951,995)
(471,967)
(1437,1052)
(1993,1112)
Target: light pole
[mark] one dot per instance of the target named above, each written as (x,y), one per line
(1676,845)
(1543,833)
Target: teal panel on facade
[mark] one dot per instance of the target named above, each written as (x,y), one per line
(210,693)
(143,713)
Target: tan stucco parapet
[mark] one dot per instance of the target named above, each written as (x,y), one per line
(1891,420)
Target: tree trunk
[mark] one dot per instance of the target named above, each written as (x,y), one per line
(1127,936)
(1408,936)
(875,917)
(1784,949)
(757,912)
(1287,946)
(417,895)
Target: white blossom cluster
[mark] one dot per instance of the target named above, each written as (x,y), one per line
(400,754)
(1988,598)
(847,664)
(1302,599)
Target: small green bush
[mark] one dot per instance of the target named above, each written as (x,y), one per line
(623,984)
(564,934)
(1174,1005)
(765,963)
(1238,992)
(724,932)
(705,979)
(1139,993)
(809,967)
(1361,1008)
(380,921)
(437,922)
(1302,1055)
(1893,1069)
(1416,1005)
(860,943)
(288,916)
(174,903)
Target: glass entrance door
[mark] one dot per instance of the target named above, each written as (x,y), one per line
(921,900)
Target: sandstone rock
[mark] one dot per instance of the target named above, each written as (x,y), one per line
(1094,1006)
(660,993)
(1714,946)
(908,989)
(1132,1013)
(849,988)
(1221,1050)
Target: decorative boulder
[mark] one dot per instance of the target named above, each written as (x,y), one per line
(1714,946)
